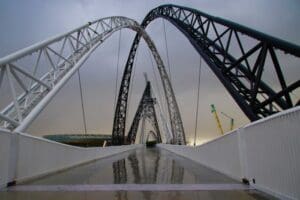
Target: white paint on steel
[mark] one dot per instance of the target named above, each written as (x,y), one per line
(24,157)
(31,97)
(43,103)
(266,150)
(220,154)
(5,155)
(26,106)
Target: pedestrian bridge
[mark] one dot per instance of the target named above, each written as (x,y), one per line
(263,153)
(256,161)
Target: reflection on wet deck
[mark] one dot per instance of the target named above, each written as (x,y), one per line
(143,166)
(124,195)
(130,169)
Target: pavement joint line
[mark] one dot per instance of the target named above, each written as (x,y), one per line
(128,187)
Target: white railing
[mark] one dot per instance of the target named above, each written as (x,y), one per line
(23,157)
(264,152)
(53,63)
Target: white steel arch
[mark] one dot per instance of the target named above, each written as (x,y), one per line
(35,95)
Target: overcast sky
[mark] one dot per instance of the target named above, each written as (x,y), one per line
(26,22)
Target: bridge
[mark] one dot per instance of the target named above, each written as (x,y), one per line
(255,161)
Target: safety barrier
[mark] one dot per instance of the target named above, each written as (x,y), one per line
(23,157)
(264,152)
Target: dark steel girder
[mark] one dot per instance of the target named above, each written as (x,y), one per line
(214,39)
(118,133)
(208,36)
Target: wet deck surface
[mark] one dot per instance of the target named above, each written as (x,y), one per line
(138,174)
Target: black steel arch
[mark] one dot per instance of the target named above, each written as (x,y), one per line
(217,40)
(202,31)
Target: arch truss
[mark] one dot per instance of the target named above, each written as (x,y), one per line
(52,63)
(237,55)
(146,110)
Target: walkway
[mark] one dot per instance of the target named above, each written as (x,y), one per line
(139,174)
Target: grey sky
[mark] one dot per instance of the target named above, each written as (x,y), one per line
(26,22)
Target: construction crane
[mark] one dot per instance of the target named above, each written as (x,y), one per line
(231,120)
(213,110)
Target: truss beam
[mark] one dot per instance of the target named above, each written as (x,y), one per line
(62,56)
(214,39)
(238,57)
(145,110)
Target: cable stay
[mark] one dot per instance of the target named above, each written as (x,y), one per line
(164,124)
(197,102)
(82,104)
(161,108)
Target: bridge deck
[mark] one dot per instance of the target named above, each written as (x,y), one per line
(139,174)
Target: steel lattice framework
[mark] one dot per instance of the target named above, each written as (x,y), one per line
(214,38)
(145,109)
(118,133)
(121,107)
(236,54)
(53,62)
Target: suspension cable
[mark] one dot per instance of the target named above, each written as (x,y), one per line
(82,104)
(197,109)
(155,77)
(167,51)
(161,105)
(156,83)
(117,72)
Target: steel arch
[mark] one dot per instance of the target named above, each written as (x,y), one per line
(63,63)
(212,37)
(121,107)
(146,109)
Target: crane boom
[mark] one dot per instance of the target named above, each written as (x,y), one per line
(231,120)
(213,110)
